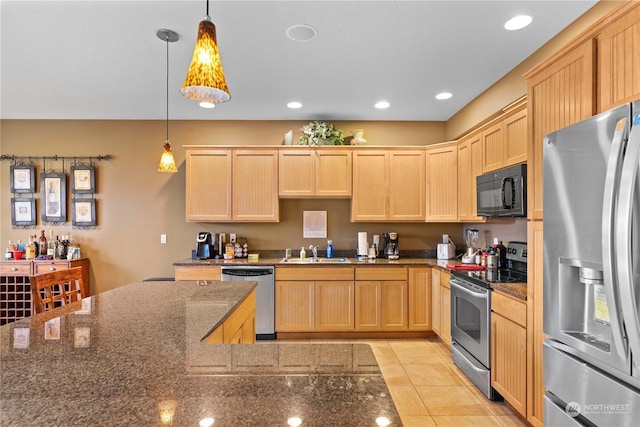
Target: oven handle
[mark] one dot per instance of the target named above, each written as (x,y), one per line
(467,290)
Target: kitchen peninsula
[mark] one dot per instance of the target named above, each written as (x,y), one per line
(124,356)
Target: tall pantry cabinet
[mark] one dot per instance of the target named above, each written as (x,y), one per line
(598,70)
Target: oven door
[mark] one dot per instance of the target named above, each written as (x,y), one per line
(470,322)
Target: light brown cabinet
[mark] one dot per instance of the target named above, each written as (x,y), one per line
(441,304)
(559,94)
(419,298)
(197,272)
(509,350)
(505,141)
(388,185)
(229,184)
(469,167)
(314,299)
(381,302)
(442,182)
(619,61)
(436,302)
(239,327)
(315,172)
(535,334)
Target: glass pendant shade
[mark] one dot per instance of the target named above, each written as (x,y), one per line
(167,162)
(205,80)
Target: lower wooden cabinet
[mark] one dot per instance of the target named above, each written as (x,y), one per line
(239,327)
(197,272)
(420,298)
(381,299)
(509,350)
(436,307)
(295,306)
(441,304)
(334,306)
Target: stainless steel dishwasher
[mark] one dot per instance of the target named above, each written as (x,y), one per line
(265,295)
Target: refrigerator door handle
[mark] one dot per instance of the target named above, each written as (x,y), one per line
(624,224)
(612,184)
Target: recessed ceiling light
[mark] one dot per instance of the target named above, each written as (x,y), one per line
(382,105)
(294,104)
(294,421)
(301,33)
(518,22)
(444,95)
(207,104)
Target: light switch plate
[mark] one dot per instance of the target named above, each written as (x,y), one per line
(163,239)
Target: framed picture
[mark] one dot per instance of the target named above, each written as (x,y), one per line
(53,189)
(314,224)
(22,179)
(83,212)
(23,211)
(83,179)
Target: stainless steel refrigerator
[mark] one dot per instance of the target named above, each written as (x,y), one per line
(591,356)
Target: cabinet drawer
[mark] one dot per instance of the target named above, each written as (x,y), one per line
(314,273)
(509,307)
(47,267)
(381,273)
(197,272)
(15,268)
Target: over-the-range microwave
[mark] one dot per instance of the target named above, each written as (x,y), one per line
(503,193)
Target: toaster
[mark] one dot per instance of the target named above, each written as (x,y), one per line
(446,251)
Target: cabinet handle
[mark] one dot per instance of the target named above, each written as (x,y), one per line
(14,268)
(52,269)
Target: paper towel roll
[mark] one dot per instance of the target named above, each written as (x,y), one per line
(363,244)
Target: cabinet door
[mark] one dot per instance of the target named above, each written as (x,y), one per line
(395,315)
(295,306)
(420,298)
(297,173)
(465,209)
(407,185)
(619,61)
(558,95)
(509,361)
(493,147)
(535,334)
(333,172)
(370,201)
(334,306)
(442,183)
(515,138)
(208,185)
(367,305)
(436,300)
(445,327)
(255,185)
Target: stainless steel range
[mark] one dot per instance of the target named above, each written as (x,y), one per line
(471,315)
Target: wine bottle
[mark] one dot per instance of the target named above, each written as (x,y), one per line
(42,244)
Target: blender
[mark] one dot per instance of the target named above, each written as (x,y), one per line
(471,238)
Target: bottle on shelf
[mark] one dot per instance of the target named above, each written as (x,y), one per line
(42,244)
(501,251)
(329,248)
(51,245)
(31,249)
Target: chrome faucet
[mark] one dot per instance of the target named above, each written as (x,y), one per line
(314,249)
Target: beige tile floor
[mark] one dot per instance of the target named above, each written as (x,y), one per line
(430,391)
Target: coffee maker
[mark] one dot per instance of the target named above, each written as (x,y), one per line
(205,246)
(391,249)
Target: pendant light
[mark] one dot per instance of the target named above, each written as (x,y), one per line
(205,82)
(167,162)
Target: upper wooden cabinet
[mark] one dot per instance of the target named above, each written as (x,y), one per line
(619,61)
(559,94)
(231,184)
(442,182)
(388,185)
(315,172)
(469,167)
(505,141)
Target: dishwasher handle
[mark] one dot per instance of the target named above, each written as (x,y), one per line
(247,272)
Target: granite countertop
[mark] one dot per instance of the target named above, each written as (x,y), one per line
(351,262)
(113,358)
(516,290)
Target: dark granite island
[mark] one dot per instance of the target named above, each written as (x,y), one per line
(124,356)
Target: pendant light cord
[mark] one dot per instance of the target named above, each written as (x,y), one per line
(167,40)
(207,7)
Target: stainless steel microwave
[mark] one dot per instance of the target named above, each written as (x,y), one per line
(503,193)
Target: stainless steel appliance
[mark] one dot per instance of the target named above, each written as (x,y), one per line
(591,274)
(391,248)
(265,295)
(471,315)
(502,193)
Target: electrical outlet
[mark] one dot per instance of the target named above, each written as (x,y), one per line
(163,239)
(232,237)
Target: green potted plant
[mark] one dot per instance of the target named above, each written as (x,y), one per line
(321,133)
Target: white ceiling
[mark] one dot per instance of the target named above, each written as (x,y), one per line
(102,59)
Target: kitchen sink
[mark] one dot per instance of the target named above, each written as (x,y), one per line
(315,261)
